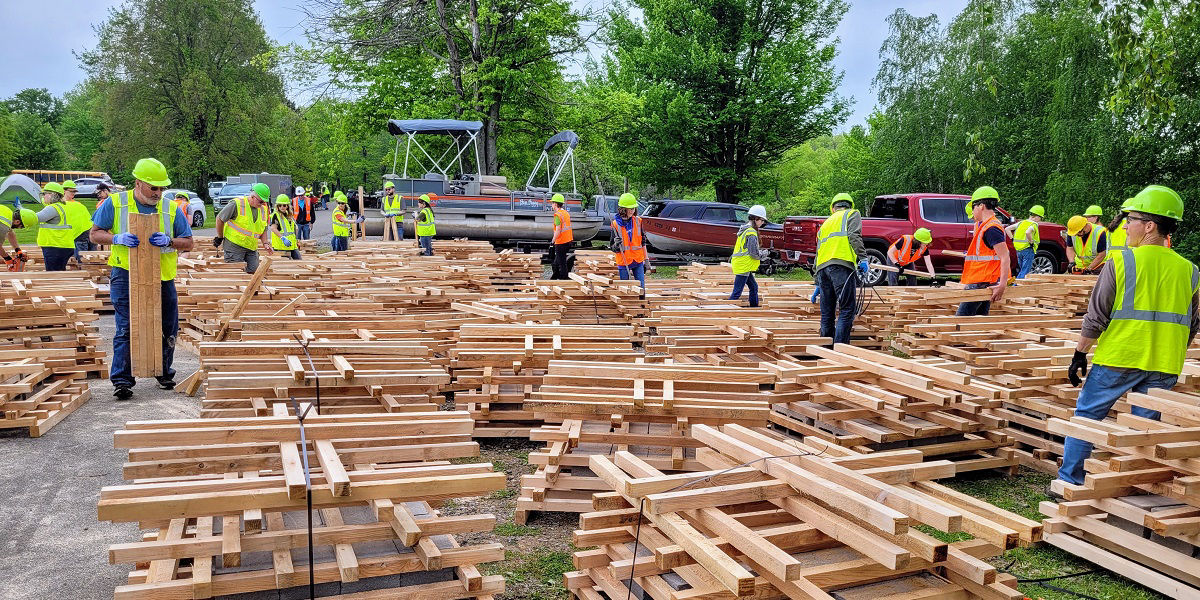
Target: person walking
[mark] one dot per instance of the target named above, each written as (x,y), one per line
(747,255)
(55,236)
(627,241)
(283,228)
(425,226)
(242,227)
(304,210)
(987,264)
(561,239)
(905,252)
(839,249)
(1027,237)
(392,207)
(110,226)
(1142,315)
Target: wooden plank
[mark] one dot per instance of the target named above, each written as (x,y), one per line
(145,298)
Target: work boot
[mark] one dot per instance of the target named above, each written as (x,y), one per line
(166,383)
(123,392)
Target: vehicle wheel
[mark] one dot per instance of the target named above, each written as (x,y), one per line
(1044,263)
(198,219)
(875,276)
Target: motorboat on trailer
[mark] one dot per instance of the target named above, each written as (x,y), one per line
(481,207)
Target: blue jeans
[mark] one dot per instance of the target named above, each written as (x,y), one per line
(426,244)
(1024,262)
(745,280)
(303,230)
(838,295)
(340,243)
(1103,387)
(82,244)
(637,269)
(122,372)
(56,258)
(971,309)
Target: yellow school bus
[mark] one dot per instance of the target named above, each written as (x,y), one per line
(44,177)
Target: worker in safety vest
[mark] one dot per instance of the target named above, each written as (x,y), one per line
(626,241)
(393,207)
(987,264)
(1093,214)
(283,228)
(182,201)
(1142,316)
(563,236)
(242,226)
(1117,235)
(1027,237)
(425,227)
(304,209)
(56,236)
(839,249)
(80,219)
(10,222)
(342,222)
(1088,245)
(906,251)
(110,225)
(747,255)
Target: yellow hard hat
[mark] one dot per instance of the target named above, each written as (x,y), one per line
(923,235)
(1075,224)
(152,172)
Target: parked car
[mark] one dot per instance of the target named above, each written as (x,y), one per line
(892,216)
(700,228)
(228,192)
(195,211)
(85,187)
(214,188)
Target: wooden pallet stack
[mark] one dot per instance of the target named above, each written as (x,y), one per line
(595,262)
(1138,510)
(496,367)
(647,408)
(775,519)
(239,525)
(766,333)
(49,347)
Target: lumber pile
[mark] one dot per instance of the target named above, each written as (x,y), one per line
(776,519)
(1138,510)
(49,346)
(650,409)
(239,525)
(595,262)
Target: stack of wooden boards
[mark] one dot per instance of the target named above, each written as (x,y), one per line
(49,346)
(223,503)
(779,519)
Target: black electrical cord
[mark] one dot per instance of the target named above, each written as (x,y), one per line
(312,580)
(1041,581)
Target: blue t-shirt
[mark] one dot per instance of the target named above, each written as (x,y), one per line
(103,218)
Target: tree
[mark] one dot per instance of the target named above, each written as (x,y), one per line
(36,143)
(37,101)
(82,126)
(727,86)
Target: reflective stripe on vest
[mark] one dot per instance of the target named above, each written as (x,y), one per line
(426,226)
(119,255)
(632,249)
(1117,240)
(1086,252)
(1151,322)
(565,232)
(904,254)
(982,264)
(341,228)
(287,241)
(248,224)
(6,214)
(59,235)
(833,239)
(1027,234)
(742,261)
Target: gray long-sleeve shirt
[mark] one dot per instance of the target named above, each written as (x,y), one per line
(752,247)
(854,229)
(1104,295)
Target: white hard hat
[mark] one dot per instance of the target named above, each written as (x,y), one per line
(759,211)
(299,190)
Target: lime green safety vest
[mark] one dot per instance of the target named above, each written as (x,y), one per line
(78,217)
(393,206)
(1027,234)
(426,229)
(287,241)
(1152,311)
(833,241)
(339,228)
(742,261)
(6,216)
(59,235)
(119,257)
(1117,240)
(1085,253)
(249,223)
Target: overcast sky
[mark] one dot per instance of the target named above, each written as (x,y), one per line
(37,49)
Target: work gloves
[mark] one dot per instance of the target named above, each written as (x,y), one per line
(863,267)
(899,270)
(126,239)
(160,239)
(815,295)
(1078,365)
(217,241)
(361,219)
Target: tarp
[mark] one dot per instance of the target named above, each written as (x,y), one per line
(18,189)
(435,126)
(560,137)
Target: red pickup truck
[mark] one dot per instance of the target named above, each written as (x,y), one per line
(943,214)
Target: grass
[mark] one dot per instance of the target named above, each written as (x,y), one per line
(512,529)
(504,493)
(537,574)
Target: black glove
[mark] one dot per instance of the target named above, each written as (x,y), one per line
(899,270)
(1078,364)
(217,241)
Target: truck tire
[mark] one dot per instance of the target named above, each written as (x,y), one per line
(876,276)
(198,219)
(1044,263)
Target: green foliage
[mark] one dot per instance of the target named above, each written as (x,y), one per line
(727,86)
(36,143)
(512,529)
(537,574)
(82,127)
(39,102)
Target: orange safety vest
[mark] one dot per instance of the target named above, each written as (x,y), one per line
(902,252)
(564,234)
(632,249)
(304,203)
(982,264)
